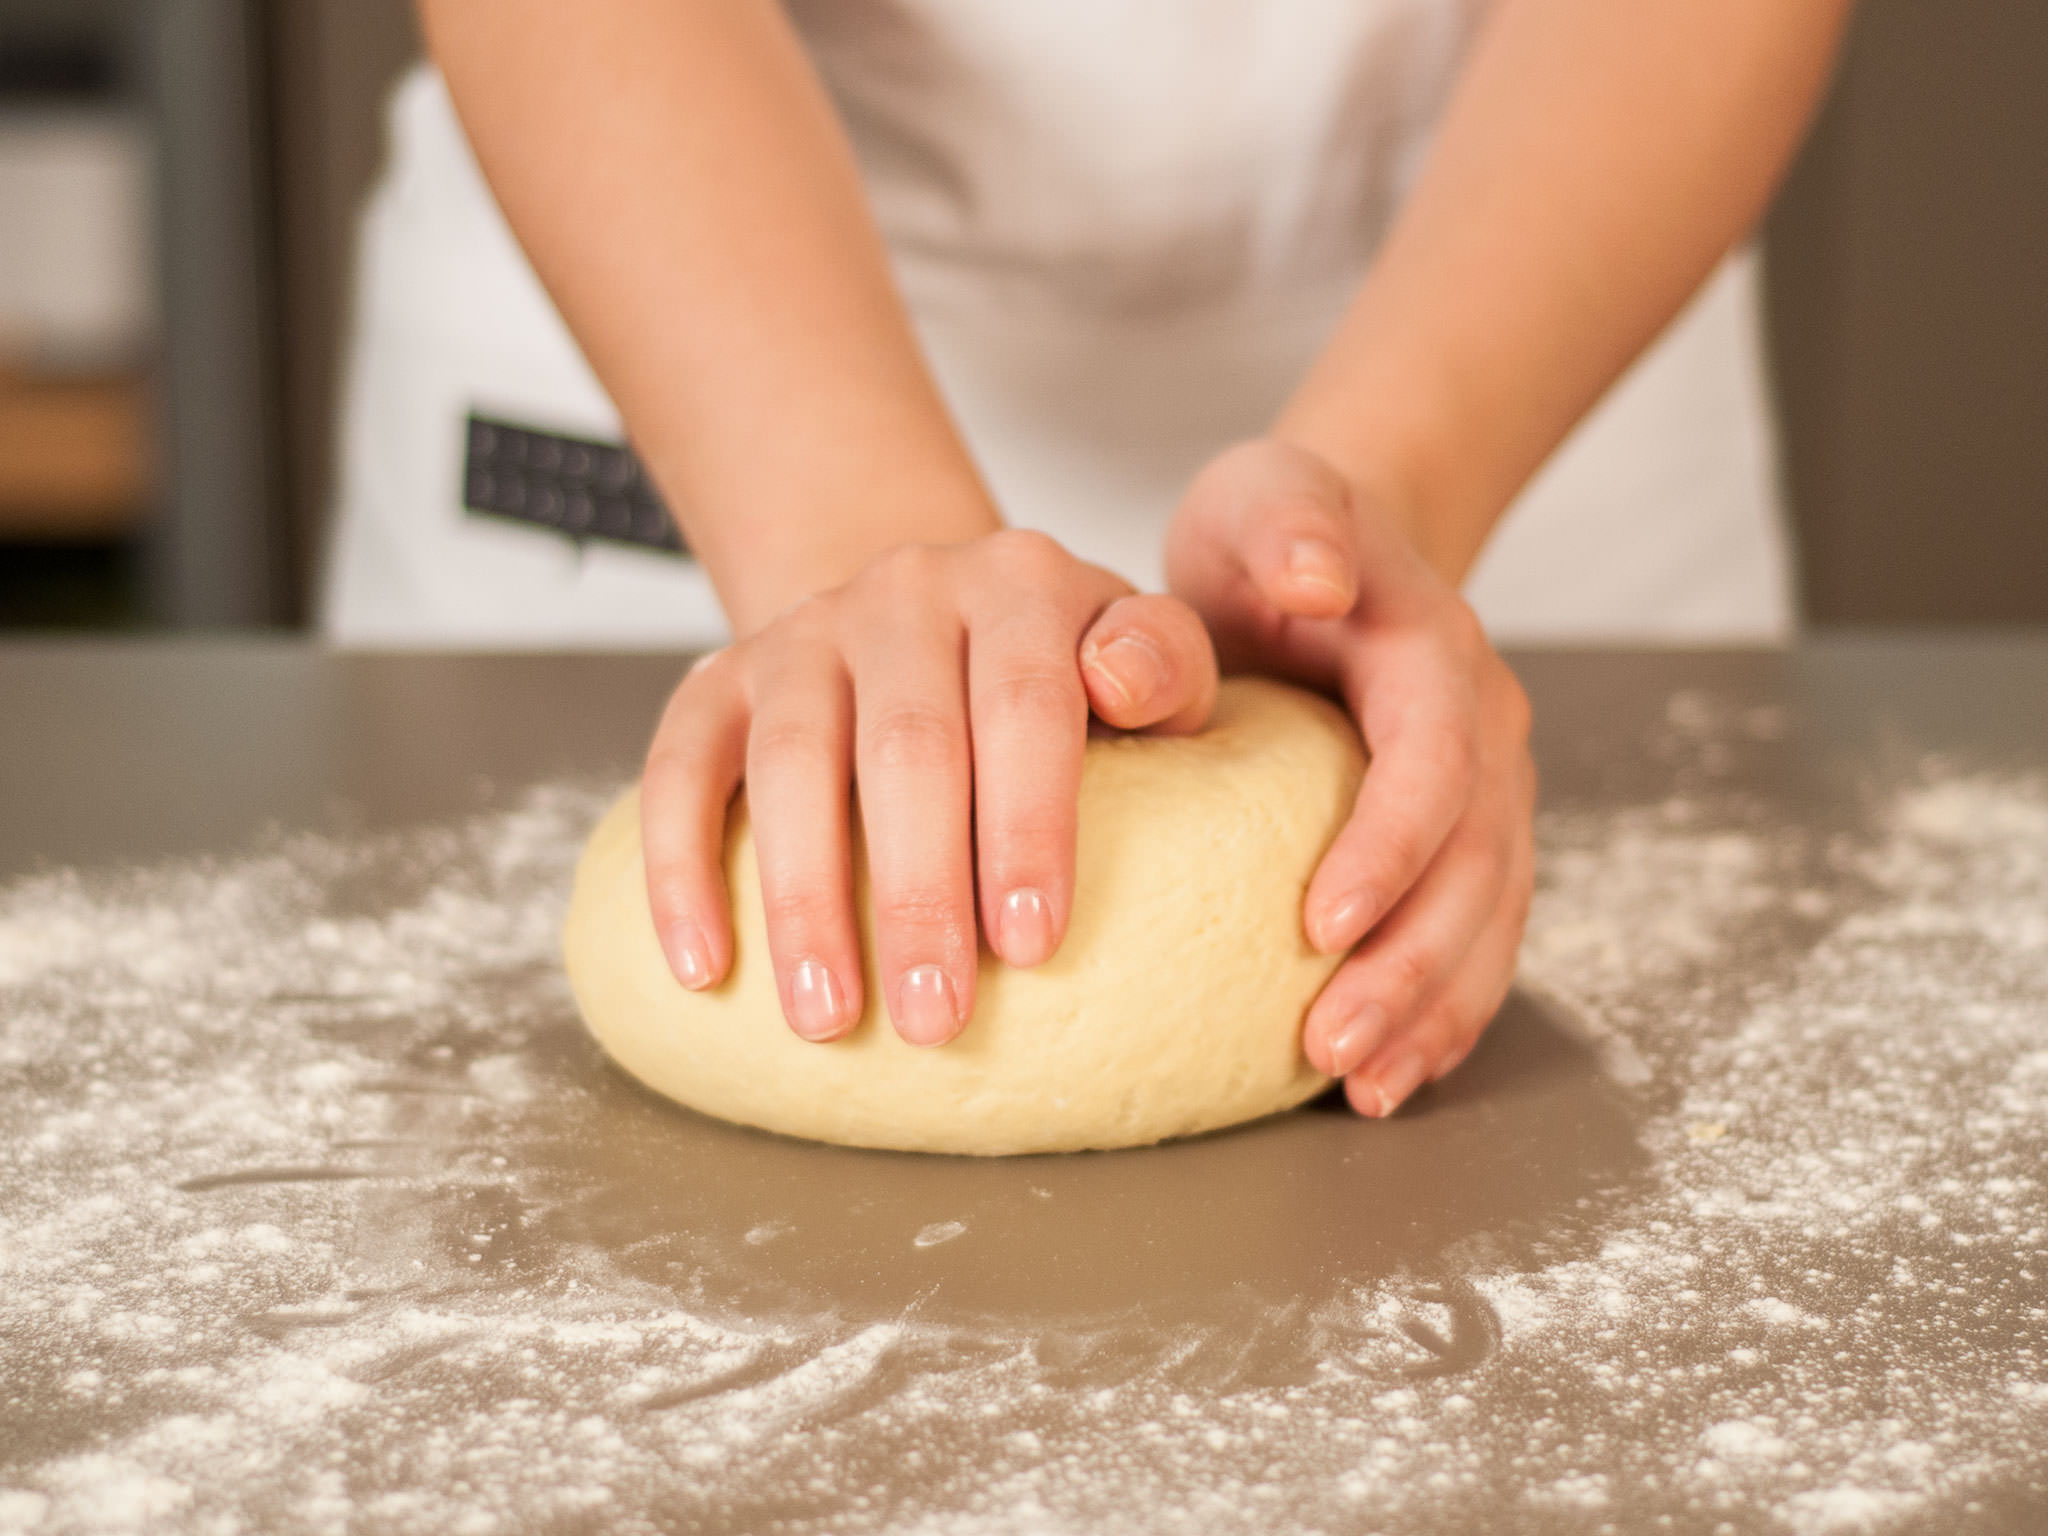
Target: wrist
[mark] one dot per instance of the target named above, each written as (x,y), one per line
(780,552)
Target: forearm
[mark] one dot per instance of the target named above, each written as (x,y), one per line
(1597,158)
(685,191)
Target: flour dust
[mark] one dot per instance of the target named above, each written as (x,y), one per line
(228,1089)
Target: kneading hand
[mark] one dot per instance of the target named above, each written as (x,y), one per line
(1298,575)
(953,683)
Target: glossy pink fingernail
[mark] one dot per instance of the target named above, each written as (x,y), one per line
(1319,563)
(926,1012)
(688,955)
(1024,925)
(1401,1076)
(817,1006)
(1343,922)
(1130,665)
(1355,1040)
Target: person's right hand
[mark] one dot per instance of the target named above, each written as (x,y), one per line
(943,680)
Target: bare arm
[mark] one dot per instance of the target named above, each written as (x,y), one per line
(681,184)
(1597,159)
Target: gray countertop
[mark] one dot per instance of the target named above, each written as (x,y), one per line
(319,1212)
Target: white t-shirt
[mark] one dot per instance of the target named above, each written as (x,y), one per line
(1123,229)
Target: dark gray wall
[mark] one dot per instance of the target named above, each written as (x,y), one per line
(333,63)
(1909,309)
(217,556)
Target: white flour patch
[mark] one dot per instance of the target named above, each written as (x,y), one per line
(226,1301)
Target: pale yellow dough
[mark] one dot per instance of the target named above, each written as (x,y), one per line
(1174,1005)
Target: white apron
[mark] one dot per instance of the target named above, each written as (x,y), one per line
(1123,228)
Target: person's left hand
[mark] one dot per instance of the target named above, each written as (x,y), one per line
(1303,576)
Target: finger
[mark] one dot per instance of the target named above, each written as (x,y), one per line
(1282,518)
(799,759)
(1148,663)
(1516,899)
(693,767)
(1298,552)
(1410,957)
(1452,1024)
(912,765)
(1419,715)
(1029,717)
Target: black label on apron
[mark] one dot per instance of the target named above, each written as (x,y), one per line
(574,486)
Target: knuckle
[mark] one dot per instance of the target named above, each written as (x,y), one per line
(921,908)
(1028,553)
(707,668)
(666,759)
(903,571)
(1021,837)
(914,736)
(1439,1029)
(776,742)
(1522,852)
(1516,711)
(1454,1041)
(1302,509)
(1174,618)
(1410,970)
(667,896)
(1218,478)
(1172,632)
(1462,630)
(1457,755)
(807,625)
(1466,1021)
(1521,893)
(695,695)
(794,909)
(1504,854)
(1400,852)
(676,759)
(1246,456)
(1037,690)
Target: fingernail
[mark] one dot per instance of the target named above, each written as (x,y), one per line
(815,1001)
(1132,667)
(688,956)
(1355,1040)
(1319,563)
(1343,922)
(1401,1076)
(926,1013)
(1025,925)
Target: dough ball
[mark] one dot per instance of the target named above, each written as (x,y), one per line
(1174,1005)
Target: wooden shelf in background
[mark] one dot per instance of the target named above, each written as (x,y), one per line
(75,456)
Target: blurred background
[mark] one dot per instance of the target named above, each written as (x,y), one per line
(179,182)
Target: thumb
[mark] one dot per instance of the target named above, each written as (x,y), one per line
(1277,516)
(1147,663)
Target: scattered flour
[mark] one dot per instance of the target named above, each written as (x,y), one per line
(1826,1309)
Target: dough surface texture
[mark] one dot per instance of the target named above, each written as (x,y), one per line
(1174,1005)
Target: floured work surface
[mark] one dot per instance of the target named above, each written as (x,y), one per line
(317,1207)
